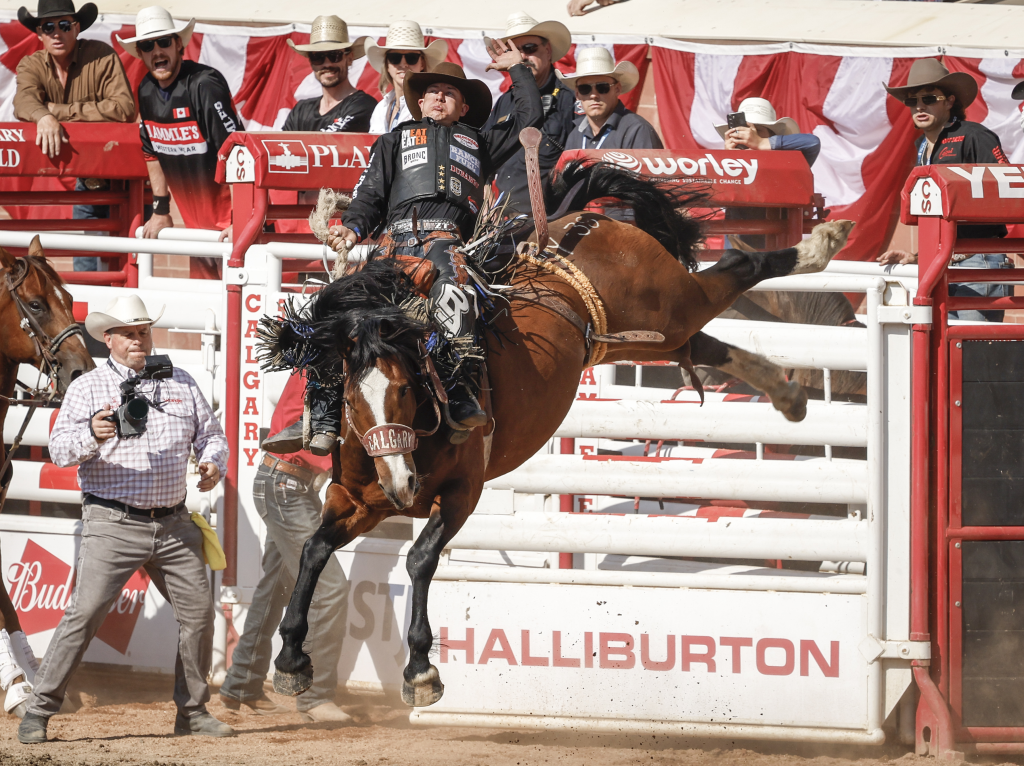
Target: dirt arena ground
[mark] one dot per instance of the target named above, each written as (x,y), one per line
(119,723)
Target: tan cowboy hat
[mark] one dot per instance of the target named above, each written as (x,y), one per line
(930,72)
(329,33)
(124,311)
(475,93)
(154,22)
(520,23)
(406,36)
(760,112)
(592,62)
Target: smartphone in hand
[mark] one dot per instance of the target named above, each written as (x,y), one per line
(736,120)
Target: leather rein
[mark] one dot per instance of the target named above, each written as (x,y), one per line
(47,347)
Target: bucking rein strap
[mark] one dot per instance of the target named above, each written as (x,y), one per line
(595,335)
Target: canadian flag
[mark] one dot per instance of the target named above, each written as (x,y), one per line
(181,113)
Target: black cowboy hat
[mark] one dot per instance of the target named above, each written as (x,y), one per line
(475,93)
(52,9)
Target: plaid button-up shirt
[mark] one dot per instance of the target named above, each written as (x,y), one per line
(147,471)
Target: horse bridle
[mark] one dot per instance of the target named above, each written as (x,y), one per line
(47,347)
(395,438)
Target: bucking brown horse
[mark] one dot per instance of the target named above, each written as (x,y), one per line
(37,327)
(536,353)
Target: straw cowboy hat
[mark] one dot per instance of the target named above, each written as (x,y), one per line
(760,112)
(520,23)
(329,33)
(154,22)
(591,62)
(406,36)
(125,311)
(52,9)
(930,72)
(474,92)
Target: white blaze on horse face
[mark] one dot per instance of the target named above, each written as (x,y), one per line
(402,478)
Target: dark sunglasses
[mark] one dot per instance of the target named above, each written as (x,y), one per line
(334,57)
(48,27)
(604,88)
(529,49)
(912,101)
(147,45)
(412,59)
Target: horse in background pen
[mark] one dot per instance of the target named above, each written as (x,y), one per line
(37,327)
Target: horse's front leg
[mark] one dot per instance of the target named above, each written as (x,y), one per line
(422,685)
(342,522)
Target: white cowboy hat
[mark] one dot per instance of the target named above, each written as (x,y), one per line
(759,111)
(154,22)
(329,33)
(591,62)
(124,311)
(520,23)
(406,36)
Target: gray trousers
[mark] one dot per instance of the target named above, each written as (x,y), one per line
(114,546)
(291,510)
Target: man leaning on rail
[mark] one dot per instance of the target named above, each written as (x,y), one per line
(134,515)
(430,173)
(937,100)
(70,80)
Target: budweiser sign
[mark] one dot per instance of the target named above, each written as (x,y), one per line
(41,584)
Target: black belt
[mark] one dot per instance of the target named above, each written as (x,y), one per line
(117,505)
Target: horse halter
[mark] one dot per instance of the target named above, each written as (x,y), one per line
(47,347)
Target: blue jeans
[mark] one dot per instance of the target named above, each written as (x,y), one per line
(88,212)
(291,510)
(980,289)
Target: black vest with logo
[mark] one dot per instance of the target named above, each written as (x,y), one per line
(433,159)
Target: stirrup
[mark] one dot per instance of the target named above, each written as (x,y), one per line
(9,667)
(24,655)
(321,445)
(16,701)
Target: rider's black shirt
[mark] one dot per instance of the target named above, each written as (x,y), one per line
(350,115)
(369,209)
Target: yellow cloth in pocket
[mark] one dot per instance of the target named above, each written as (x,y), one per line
(212,551)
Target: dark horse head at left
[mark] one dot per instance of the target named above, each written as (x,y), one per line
(38,322)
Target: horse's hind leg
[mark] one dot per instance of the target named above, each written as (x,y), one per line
(342,523)
(787,397)
(736,271)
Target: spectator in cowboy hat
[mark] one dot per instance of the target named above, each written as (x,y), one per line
(765,131)
(606,123)
(542,44)
(134,514)
(341,108)
(938,99)
(186,116)
(70,80)
(404,51)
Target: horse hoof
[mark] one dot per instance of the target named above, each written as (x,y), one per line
(293,684)
(424,690)
(827,239)
(792,403)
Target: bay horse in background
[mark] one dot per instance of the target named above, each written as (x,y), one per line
(37,327)
(535,356)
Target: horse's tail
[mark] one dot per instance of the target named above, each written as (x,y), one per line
(656,204)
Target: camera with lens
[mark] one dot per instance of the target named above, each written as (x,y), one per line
(130,418)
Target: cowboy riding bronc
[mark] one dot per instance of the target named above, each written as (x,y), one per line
(422,190)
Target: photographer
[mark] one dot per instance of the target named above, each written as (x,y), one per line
(765,132)
(133,510)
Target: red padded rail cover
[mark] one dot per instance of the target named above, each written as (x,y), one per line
(298,160)
(763,179)
(94,150)
(977,193)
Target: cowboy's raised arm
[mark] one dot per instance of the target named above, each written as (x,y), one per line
(503,139)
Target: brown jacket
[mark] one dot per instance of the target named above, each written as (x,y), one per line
(97,88)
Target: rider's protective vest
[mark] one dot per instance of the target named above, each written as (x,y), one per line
(433,160)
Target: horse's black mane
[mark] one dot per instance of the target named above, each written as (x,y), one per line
(656,205)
